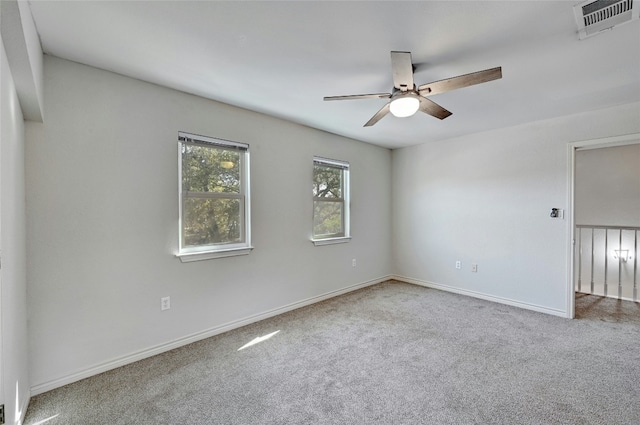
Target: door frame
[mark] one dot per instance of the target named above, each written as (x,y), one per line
(605,142)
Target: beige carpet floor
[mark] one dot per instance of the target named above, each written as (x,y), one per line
(392,353)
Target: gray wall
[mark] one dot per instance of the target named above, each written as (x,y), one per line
(14,386)
(485,199)
(607,188)
(103,214)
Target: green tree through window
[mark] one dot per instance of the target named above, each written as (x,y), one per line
(330,214)
(212,194)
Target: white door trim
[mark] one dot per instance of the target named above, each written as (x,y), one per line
(606,142)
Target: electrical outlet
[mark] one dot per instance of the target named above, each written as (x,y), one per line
(353,262)
(474,268)
(165,303)
(458,265)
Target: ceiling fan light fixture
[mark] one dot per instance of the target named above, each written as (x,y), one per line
(404,106)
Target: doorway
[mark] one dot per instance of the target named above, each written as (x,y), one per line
(604,196)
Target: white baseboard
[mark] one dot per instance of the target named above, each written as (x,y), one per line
(161,348)
(500,300)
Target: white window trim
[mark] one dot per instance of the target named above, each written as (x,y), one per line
(331,241)
(207,252)
(188,257)
(344,165)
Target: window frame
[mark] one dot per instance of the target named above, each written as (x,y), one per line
(217,250)
(344,236)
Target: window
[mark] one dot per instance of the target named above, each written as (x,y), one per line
(214,198)
(330,201)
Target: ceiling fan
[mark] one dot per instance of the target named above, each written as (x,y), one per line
(407,99)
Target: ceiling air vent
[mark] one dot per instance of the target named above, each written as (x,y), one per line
(599,15)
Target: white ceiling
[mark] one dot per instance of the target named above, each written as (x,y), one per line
(282,58)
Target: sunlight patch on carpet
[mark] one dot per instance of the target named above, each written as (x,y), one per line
(257,340)
(46,420)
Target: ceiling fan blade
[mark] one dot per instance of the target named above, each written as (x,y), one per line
(429,107)
(360,96)
(402,70)
(461,81)
(378,116)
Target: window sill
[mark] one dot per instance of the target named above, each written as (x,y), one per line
(331,241)
(209,255)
